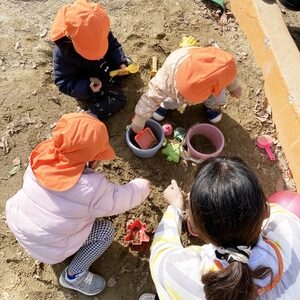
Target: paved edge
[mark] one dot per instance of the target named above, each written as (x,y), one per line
(278,57)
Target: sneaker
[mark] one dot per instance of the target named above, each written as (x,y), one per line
(86,283)
(214,115)
(147,296)
(129,60)
(160,114)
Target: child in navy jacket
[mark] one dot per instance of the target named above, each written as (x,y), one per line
(85,52)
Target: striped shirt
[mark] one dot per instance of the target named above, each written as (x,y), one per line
(177,271)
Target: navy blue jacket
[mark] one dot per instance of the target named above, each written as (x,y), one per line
(72,72)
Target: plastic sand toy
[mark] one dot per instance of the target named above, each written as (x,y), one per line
(136,233)
(188,41)
(179,133)
(154,66)
(158,132)
(265,142)
(132,68)
(167,128)
(146,139)
(172,151)
(219,2)
(211,132)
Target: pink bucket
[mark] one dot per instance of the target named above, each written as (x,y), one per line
(212,133)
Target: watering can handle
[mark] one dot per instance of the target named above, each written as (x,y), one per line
(185,155)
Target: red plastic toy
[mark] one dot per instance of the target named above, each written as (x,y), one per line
(145,138)
(136,233)
(288,200)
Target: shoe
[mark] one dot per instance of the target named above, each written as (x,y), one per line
(160,114)
(129,60)
(147,296)
(86,283)
(291,4)
(214,115)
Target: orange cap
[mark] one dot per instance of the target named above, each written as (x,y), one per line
(86,24)
(205,72)
(77,138)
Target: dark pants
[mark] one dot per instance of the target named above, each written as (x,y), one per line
(109,100)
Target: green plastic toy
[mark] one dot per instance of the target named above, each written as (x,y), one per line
(171,150)
(219,2)
(179,133)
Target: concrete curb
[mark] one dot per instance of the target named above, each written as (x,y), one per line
(279,59)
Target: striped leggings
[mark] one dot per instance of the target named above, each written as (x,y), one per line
(100,238)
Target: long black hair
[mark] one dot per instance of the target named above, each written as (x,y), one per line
(228,207)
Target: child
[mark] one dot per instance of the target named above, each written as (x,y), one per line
(85,52)
(54,215)
(242,258)
(189,76)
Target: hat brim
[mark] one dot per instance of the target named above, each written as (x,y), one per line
(108,154)
(48,173)
(58,29)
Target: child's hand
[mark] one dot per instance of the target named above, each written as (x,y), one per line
(95,85)
(236,93)
(173,195)
(123,71)
(136,128)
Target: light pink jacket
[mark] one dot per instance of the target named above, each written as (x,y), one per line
(53,225)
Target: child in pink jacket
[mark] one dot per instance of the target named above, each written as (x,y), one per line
(189,76)
(55,213)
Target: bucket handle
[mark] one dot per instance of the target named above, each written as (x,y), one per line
(186,156)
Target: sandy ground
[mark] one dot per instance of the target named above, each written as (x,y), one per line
(30,106)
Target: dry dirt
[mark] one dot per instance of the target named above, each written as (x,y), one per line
(30,105)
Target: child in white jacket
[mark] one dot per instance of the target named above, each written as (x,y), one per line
(54,215)
(189,76)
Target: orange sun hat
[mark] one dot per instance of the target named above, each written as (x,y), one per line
(86,24)
(205,72)
(77,138)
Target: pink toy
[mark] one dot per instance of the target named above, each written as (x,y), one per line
(265,142)
(136,233)
(168,129)
(209,131)
(288,200)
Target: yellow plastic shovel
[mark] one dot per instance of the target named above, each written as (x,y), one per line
(132,68)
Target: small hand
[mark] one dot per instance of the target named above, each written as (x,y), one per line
(122,71)
(236,93)
(173,195)
(95,84)
(136,128)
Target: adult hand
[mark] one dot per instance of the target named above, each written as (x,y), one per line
(95,85)
(173,195)
(122,71)
(236,93)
